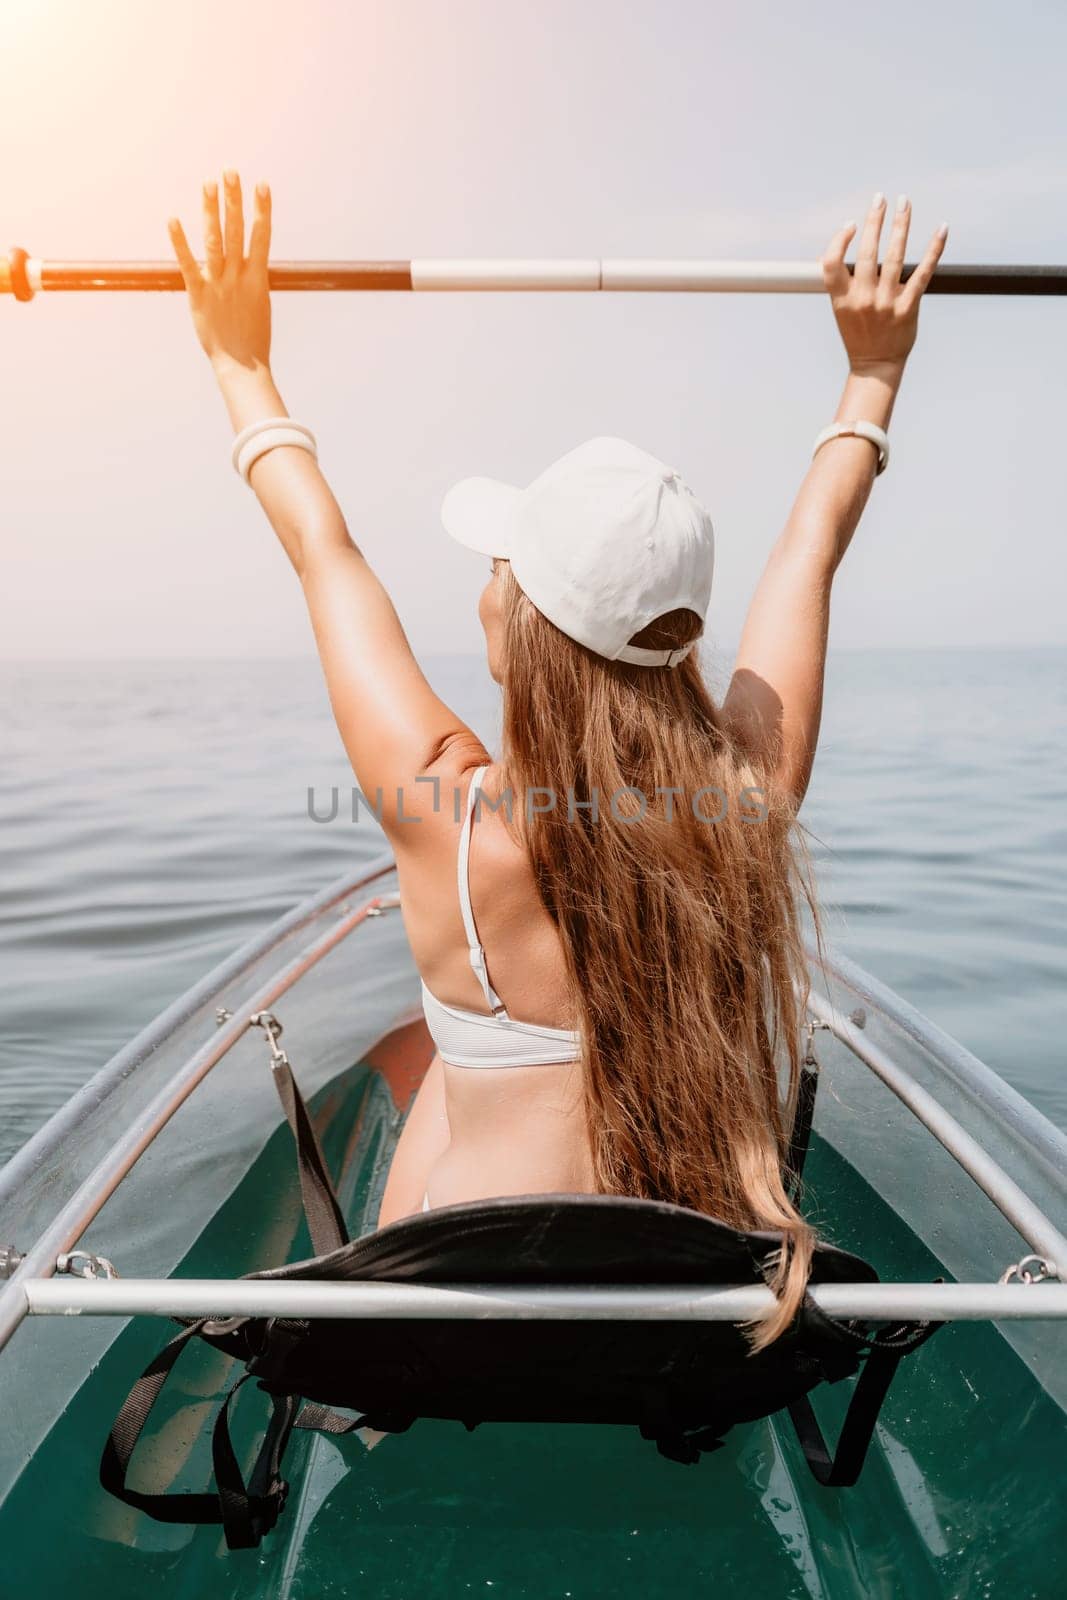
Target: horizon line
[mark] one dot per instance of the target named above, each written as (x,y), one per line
(310,657)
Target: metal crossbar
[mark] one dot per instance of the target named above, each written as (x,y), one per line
(203,1297)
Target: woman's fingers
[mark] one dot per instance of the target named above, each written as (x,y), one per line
(898,241)
(835,275)
(867,254)
(212,231)
(919,279)
(259,240)
(877,315)
(229,295)
(187,262)
(235,220)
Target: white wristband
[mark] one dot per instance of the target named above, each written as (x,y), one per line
(857,430)
(269,439)
(259,437)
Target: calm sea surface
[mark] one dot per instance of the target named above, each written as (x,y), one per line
(154,815)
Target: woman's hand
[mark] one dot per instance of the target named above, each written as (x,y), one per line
(230,296)
(877,315)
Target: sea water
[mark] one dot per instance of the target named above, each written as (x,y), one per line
(153,815)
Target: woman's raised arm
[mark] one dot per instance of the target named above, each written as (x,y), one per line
(393,725)
(774,703)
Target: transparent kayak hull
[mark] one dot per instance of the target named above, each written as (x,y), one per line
(962,1492)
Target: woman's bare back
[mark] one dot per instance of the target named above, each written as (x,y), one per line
(487,1130)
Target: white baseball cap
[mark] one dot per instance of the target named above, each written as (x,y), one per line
(606,540)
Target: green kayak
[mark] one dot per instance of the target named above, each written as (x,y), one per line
(143,1205)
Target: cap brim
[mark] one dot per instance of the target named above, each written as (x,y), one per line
(482,514)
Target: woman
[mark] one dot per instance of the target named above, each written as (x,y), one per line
(627,878)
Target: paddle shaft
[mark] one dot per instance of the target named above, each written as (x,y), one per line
(24,276)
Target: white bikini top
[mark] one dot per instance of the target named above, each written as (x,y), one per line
(468,1038)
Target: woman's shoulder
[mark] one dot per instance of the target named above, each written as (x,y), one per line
(453,771)
(432,801)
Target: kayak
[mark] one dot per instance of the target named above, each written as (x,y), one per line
(165,1195)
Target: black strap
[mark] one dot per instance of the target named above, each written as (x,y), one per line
(322,1419)
(126,1431)
(842,1469)
(246,1512)
(800,1137)
(325,1219)
(250,1512)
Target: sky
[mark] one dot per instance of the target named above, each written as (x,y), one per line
(403,128)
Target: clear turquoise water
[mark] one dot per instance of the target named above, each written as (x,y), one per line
(153,815)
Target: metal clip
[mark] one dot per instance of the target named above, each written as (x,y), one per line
(222,1015)
(83,1264)
(1020,1271)
(10,1260)
(810,1058)
(273,1029)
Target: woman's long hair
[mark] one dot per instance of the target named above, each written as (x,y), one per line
(681,935)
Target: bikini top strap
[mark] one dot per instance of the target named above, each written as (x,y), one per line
(477,954)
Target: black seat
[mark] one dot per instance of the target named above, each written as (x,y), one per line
(683,1383)
(664,1376)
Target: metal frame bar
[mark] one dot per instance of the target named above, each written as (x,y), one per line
(952,1059)
(195,1297)
(70,1223)
(1010,1200)
(70,1116)
(24,276)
